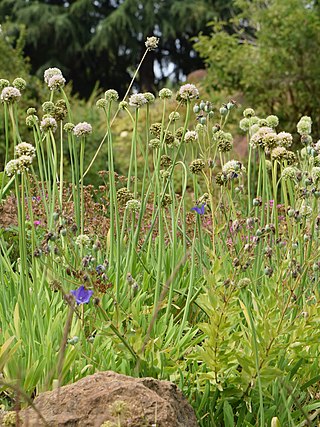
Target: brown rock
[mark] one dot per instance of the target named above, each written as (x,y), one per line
(107,396)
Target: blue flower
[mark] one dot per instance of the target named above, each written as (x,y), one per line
(199,209)
(81,295)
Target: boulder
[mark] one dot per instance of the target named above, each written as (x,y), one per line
(111,399)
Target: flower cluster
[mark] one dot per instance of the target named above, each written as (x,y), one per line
(188,91)
(48,123)
(54,79)
(137,100)
(10,94)
(152,43)
(25,149)
(82,129)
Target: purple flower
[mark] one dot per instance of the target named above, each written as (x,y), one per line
(82,296)
(199,209)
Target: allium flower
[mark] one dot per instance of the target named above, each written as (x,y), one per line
(248,112)
(48,107)
(31,120)
(48,123)
(82,129)
(272,121)
(152,42)
(10,94)
(304,125)
(155,129)
(188,91)
(123,196)
(111,95)
(31,110)
(24,148)
(56,82)
(150,98)
(165,161)
(12,167)
(165,93)
(24,162)
(244,124)
(133,205)
(50,72)
(68,127)
(190,136)
(81,295)
(123,105)
(137,100)
(232,169)
(285,139)
(257,139)
(279,153)
(197,166)
(199,209)
(4,83)
(102,103)
(224,140)
(154,143)
(19,83)
(82,240)
(174,116)
(270,141)
(290,173)
(166,201)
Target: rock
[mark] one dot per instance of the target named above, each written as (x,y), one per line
(111,399)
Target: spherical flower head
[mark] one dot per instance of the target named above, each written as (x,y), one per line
(4,83)
(102,103)
(68,127)
(269,141)
(272,121)
(279,154)
(133,205)
(285,139)
(123,105)
(149,97)
(233,169)
(19,83)
(290,173)
(154,143)
(81,295)
(50,72)
(12,167)
(258,137)
(82,240)
(190,136)
(244,124)
(31,110)
(48,107)
(137,100)
(197,166)
(224,141)
(123,196)
(174,116)
(24,162)
(48,123)
(82,129)
(248,112)
(56,82)
(165,93)
(164,173)
(31,120)
(188,91)
(304,125)
(60,110)
(10,94)
(152,43)
(244,282)
(24,148)
(111,95)
(165,161)
(155,129)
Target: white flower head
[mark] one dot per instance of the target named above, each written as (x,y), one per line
(12,167)
(25,149)
(191,136)
(152,42)
(10,94)
(47,124)
(137,100)
(82,129)
(188,91)
(56,82)
(50,72)
(82,240)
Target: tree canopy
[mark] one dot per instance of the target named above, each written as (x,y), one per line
(103,40)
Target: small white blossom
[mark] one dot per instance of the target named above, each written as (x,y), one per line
(152,42)
(82,240)
(48,123)
(137,100)
(10,94)
(12,167)
(50,72)
(56,82)
(82,129)
(188,91)
(24,148)
(190,136)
